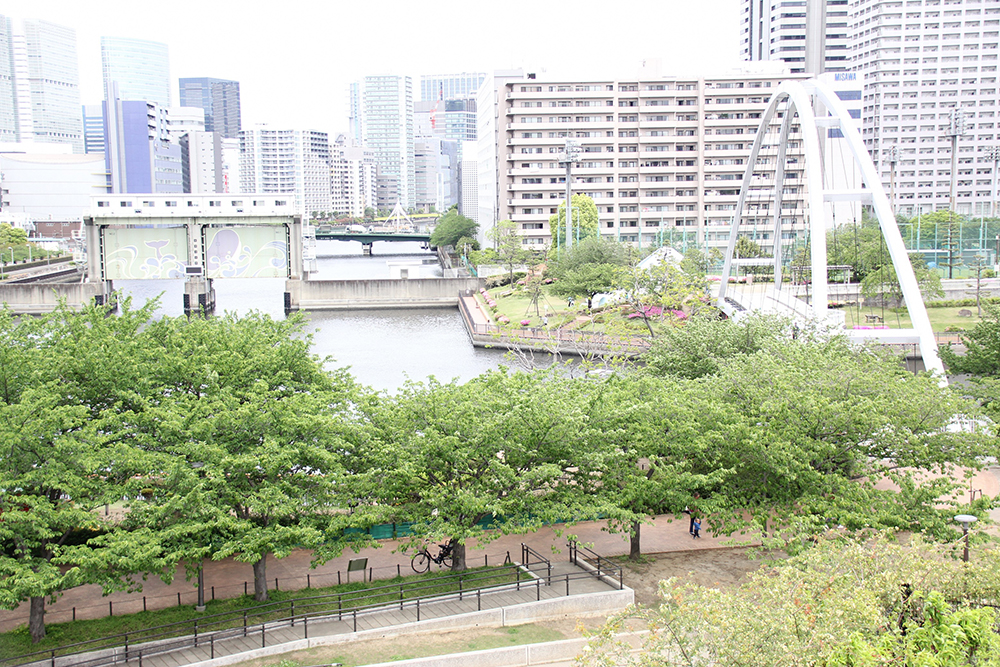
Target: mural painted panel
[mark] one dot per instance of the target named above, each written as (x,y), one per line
(145,253)
(246,252)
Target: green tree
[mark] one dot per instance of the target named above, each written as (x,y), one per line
(12,236)
(250,423)
(655,290)
(507,243)
(496,449)
(591,267)
(63,453)
(649,444)
(838,605)
(584,224)
(451,227)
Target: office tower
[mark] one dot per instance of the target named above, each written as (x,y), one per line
(295,162)
(382,108)
(810,36)
(139,156)
(468,182)
(140,68)
(93,128)
(662,157)
(447,119)
(434,175)
(352,177)
(921,65)
(434,87)
(219,98)
(39,83)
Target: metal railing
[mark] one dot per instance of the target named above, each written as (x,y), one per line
(244,623)
(589,340)
(602,566)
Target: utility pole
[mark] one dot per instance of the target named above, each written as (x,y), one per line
(570,155)
(993,155)
(956,128)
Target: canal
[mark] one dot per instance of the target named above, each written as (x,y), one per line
(382,348)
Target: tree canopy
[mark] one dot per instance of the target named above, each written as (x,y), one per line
(584,223)
(452,227)
(591,267)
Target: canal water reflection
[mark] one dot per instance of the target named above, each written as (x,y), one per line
(383,348)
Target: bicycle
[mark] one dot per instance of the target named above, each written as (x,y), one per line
(421,561)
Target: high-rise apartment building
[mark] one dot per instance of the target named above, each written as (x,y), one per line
(219,98)
(434,87)
(293,162)
(663,158)
(140,68)
(382,116)
(352,177)
(201,162)
(808,35)
(921,63)
(468,182)
(39,83)
(433,158)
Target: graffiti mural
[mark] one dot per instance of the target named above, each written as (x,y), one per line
(144,253)
(246,252)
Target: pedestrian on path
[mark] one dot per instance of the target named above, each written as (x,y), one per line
(696,528)
(690,523)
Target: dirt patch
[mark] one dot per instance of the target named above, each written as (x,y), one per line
(717,568)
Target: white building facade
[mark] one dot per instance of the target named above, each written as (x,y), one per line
(294,162)
(381,109)
(921,61)
(352,178)
(777,30)
(663,158)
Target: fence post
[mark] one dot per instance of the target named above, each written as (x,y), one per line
(418,609)
(111,607)
(538,589)
(340,607)
(486,559)
(143,607)
(550,573)
(292,611)
(53,659)
(196,634)
(338,577)
(276,587)
(567,583)
(244,623)
(308,581)
(479,599)
(211,643)
(355,620)
(398,571)
(263,635)
(213,593)
(401,597)
(305,624)
(178,598)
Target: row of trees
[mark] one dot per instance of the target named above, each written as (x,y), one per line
(226,437)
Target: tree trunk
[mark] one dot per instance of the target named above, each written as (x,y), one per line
(36,619)
(457,556)
(260,579)
(634,550)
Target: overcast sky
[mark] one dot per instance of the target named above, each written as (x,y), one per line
(295,58)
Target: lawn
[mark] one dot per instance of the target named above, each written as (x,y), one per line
(18,642)
(942,319)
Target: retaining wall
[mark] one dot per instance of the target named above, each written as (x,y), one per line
(370,294)
(37,298)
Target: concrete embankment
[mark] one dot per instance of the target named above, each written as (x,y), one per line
(372,294)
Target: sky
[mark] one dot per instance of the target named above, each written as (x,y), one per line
(294,59)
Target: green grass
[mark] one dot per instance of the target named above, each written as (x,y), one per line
(942,319)
(18,642)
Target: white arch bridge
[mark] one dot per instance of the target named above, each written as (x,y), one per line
(799,130)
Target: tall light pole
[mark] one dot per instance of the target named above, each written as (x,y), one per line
(570,154)
(966,520)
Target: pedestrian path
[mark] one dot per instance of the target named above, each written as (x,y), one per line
(560,581)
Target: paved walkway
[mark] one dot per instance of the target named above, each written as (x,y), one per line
(228,578)
(564,579)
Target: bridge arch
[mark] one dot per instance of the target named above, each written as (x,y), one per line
(815,108)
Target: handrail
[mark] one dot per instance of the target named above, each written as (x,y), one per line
(526,554)
(595,560)
(145,650)
(263,610)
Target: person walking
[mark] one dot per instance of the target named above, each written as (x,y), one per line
(696,528)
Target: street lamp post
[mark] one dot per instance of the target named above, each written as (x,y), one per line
(966,520)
